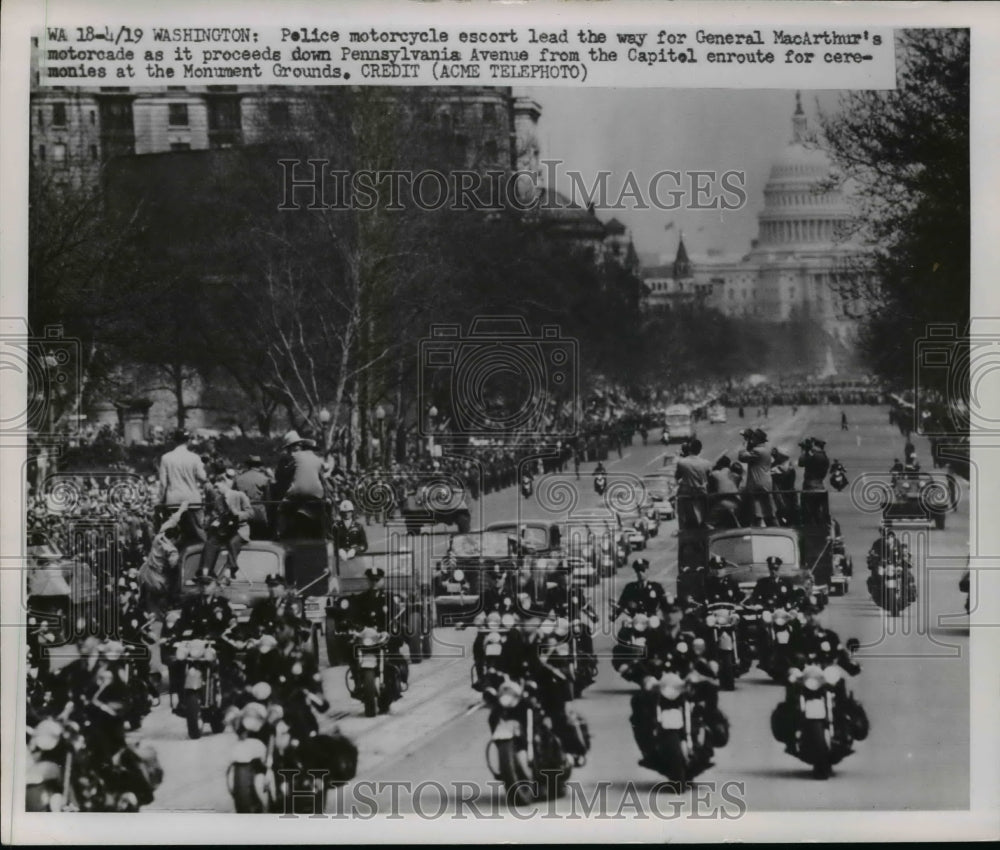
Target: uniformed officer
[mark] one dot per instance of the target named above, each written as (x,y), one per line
(293,675)
(348,535)
(375,607)
(499,596)
(642,595)
(773,590)
(720,587)
(265,614)
(207,616)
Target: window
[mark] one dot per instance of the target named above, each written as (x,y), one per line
(41,118)
(41,152)
(489,113)
(178,115)
(491,150)
(278,113)
(93,151)
(180,146)
(93,117)
(59,152)
(58,114)
(176,88)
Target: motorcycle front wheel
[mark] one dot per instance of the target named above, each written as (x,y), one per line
(369,692)
(243,790)
(816,748)
(192,714)
(727,672)
(673,765)
(517,783)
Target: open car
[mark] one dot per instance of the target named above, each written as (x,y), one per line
(920,499)
(459,580)
(717,415)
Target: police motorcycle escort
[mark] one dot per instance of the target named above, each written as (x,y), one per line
(891,583)
(203,670)
(281,763)
(675,717)
(536,738)
(80,759)
(637,612)
(819,719)
(378,674)
(600,480)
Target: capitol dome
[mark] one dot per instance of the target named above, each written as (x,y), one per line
(804,208)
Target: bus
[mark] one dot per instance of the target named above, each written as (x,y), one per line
(678,423)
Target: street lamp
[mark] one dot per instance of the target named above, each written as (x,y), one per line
(380,418)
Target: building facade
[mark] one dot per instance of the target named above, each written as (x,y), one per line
(803,265)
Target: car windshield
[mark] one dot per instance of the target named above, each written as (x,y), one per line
(487,544)
(749,549)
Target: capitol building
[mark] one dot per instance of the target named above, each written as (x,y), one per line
(802,267)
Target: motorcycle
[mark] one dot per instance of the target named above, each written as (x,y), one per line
(820,721)
(494,630)
(838,478)
(726,623)
(892,587)
(271,772)
(64,776)
(142,695)
(630,646)
(373,679)
(527,486)
(600,484)
(201,696)
(582,672)
(682,736)
(774,656)
(524,751)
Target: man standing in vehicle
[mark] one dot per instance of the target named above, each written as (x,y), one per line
(692,473)
(182,475)
(757,457)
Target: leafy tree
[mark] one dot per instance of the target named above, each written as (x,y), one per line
(908,152)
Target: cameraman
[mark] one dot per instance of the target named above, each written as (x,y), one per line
(757,457)
(815,466)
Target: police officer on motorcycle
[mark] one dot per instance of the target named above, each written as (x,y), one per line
(265,614)
(207,616)
(642,595)
(719,587)
(773,590)
(375,607)
(293,675)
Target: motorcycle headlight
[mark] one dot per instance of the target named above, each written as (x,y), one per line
(825,646)
(562,627)
(547,627)
(458,575)
(654,622)
(766,616)
(710,620)
(275,713)
(112,650)
(493,621)
(252,722)
(369,636)
(210,653)
(812,683)
(261,691)
(345,604)
(509,694)
(196,649)
(507,621)
(832,674)
(682,647)
(780,618)
(640,622)
(181,651)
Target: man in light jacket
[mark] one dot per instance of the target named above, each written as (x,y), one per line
(182,476)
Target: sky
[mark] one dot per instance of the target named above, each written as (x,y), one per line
(649,130)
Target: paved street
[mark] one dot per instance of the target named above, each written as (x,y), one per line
(914,684)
